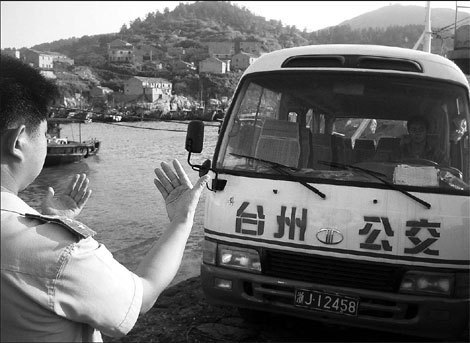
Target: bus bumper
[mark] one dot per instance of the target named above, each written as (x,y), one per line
(436,317)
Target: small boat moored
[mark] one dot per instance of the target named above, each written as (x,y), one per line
(63,151)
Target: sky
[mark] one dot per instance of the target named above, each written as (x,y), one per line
(27,23)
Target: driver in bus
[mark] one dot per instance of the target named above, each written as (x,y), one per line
(416,145)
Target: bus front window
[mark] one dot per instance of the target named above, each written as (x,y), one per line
(325,128)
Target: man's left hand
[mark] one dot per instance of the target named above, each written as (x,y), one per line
(71,202)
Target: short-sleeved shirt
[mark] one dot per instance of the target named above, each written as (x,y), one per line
(60,286)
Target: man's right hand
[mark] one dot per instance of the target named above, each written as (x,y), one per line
(181,198)
(70,202)
(161,263)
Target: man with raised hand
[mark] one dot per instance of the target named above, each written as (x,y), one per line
(57,282)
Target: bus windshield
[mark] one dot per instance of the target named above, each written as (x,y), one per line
(346,127)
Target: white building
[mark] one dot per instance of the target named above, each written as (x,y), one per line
(120,51)
(156,88)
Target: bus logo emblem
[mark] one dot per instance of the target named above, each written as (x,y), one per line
(330,236)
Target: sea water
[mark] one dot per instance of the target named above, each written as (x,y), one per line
(126,209)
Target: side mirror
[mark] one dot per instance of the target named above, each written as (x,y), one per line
(195,137)
(194,144)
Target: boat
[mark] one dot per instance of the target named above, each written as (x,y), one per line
(63,151)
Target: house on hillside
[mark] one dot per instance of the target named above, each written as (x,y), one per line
(222,50)
(242,60)
(212,65)
(251,47)
(61,58)
(153,88)
(120,51)
(12,53)
(145,53)
(38,59)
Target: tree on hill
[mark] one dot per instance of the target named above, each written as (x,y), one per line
(190,25)
(401,36)
(204,20)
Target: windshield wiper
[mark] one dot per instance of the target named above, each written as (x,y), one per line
(377,176)
(283,170)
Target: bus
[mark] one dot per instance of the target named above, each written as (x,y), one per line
(340,190)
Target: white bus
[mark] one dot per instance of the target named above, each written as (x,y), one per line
(341,191)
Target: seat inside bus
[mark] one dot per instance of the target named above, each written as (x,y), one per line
(388,149)
(279,142)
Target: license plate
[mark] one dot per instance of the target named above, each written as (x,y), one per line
(328,302)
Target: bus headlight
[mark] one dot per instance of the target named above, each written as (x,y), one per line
(427,283)
(238,258)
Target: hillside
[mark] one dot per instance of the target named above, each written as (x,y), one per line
(400,15)
(189,26)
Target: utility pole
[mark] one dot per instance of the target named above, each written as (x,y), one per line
(425,37)
(427,29)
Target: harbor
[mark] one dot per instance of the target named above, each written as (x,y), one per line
(337,209)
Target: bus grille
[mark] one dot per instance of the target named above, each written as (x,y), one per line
(332,271)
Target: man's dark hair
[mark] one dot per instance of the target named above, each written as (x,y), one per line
(24,94)
(417,120)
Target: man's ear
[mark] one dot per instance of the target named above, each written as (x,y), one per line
(14,142)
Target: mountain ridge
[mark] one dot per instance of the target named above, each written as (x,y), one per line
(189,26)
(401,15)
(218,21)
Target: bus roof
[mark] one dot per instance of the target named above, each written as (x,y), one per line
(428,65)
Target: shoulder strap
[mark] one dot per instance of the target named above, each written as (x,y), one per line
(78,229)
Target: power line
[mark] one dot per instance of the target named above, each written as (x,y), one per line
(451,25)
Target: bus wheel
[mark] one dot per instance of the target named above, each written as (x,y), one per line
(252,316)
